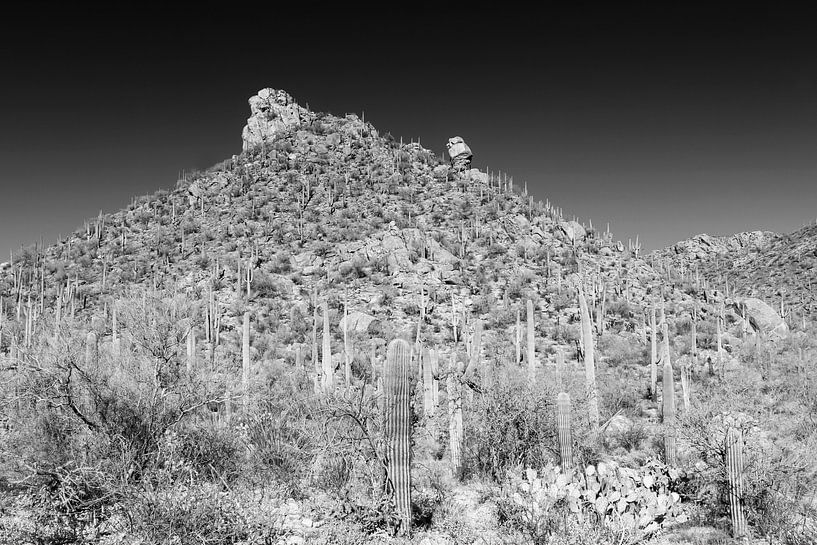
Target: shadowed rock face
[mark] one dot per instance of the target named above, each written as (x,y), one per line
(272,111)
(460,153)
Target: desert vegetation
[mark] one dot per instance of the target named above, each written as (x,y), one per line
(334,338)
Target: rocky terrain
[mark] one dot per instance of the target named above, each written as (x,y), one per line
(779,268)
(293,266)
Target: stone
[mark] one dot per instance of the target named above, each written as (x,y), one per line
(573,230)
(762,317)
(272,111)
(359,322)
(459,153)
(440,171)
(476,175)
(618,424)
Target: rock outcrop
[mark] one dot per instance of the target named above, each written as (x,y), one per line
(761,316)
(704,246)
(272,111)
(459,153)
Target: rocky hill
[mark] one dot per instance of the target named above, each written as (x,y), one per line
(779,268)
(282,279)
(328,205)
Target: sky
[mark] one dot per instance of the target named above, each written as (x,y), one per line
(662,122)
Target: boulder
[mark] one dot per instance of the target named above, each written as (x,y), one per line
(397,255)
(460,153)
(476,175)
(761,316)
(573,230)
(359,322)
(272,112)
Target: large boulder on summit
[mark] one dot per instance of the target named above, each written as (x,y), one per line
(762,317)
(460,153)
(272,111)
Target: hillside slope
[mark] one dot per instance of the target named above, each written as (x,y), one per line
(332,207)
(774,267)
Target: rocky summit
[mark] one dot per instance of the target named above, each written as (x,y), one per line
(272,111)
(338,337)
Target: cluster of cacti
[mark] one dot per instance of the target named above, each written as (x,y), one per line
(635,503)
(397,405)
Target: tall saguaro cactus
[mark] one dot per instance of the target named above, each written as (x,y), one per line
(328,368)
(734,471)
(428,363)
(563,427)
(531,353)
(670,453)
(589,361)
(397,405)
(245,361)
(456,435)
(653,355)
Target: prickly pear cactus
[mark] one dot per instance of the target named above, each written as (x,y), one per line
(397,406)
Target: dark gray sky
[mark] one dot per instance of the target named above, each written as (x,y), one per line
(664,123)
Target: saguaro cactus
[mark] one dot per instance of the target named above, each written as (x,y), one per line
(589,361)
(563,427)
(455,425)
(397,404)
(518,337)
(428,364)
(245,361)
(531,353)
(328,367)
(91,348)
(734,470)
(653,355)
(191,349)
(561,370)
(669,414)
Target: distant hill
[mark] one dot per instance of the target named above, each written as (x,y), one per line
(774,267)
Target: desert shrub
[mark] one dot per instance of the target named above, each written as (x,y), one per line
(777,479)
(264,285)
(509,424)
(198,513)
(212,453)
(618,350)
(90,424)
